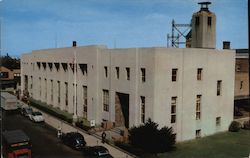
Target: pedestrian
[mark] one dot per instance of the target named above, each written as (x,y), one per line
(59,132)
(103,137)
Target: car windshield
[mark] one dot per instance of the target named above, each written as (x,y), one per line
(36,113)
(28,110)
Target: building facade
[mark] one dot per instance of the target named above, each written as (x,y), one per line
(9,78)
(242,74)
(190,89)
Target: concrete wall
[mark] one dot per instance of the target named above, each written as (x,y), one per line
(157,89)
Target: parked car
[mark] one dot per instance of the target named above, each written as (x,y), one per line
(96,152)
(36,117)
(74,140)
(26,111)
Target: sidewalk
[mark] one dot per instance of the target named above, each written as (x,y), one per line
(90,139)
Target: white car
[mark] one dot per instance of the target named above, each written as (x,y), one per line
(36,117)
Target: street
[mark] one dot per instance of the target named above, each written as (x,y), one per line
(45,143)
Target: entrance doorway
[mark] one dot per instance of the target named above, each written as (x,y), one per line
(122,109)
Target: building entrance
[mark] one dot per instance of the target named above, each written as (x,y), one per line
(122,109)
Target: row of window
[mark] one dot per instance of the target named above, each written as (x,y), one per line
(217,122)
(209,21)
(173,104)
(84,92)
(64,66)
(143,73)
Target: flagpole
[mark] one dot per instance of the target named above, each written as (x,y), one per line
(75,92)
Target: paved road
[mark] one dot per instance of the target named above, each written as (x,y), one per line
(45,143)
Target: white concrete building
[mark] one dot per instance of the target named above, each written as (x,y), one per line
(189,89)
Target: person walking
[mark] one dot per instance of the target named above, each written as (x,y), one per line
(103,137)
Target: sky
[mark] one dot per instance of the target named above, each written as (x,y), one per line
(28,25)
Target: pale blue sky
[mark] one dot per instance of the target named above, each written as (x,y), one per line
(39,24)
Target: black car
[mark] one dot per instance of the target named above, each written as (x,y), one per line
(96,151)
(74,140)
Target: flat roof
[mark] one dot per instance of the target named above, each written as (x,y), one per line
(7,95)
(15,136)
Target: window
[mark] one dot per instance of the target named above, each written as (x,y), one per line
(143,74)
(173,109)
(199,73)
(45,92)
(4,74)
(197,21)
(142,109)
(198,107)
(84,68)
(58,88)
(57,65)
(218,120)
(85,102)
(51,90)
(219,87)
(174,75)
(209,21)
(106,100)
(66,93)
(198,133)
(50,66)
(128,73)
(241,84)
(117,72)
(31,84)
(106,71)
(40,86)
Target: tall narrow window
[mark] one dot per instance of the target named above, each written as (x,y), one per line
(219,87)
(198,107)
(173,109)
(51,90)
(143,74)
(106,100)
(45,91)
(117,72)
(40,86)
(142,109)
(209,21)
(85,102)
(197,21)
(106,71)
(66,93)
(58,88)
(199,73)
(174,75)
(128,73)
(31,84)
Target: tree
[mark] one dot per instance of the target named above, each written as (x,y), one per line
(10,63)
(151,139)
